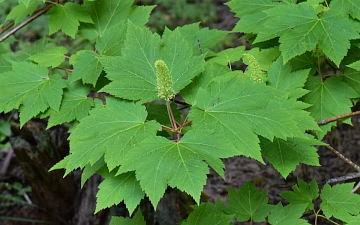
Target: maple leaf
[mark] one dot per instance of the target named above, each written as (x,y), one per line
(228,56)
(138,219)
(133,74)
(301,30)
(110,130)
(109,13)
(352,76)
(286,155)
(178,164)
(115,189)
(112,40)
(281,77)
(203,80)
(290,214)
(302,193)
(351,7)
(328,99)
(75,105)
(30,89)
(208,213)
(28,3)
(338,201)
(21,11)
(240,109)
(87,66)
(67,17)
(248,203)
(52,56)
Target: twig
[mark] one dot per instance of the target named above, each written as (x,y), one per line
(343,178)
(348,161)
(355,188)
(7,27)
(21,25)
(6,162)
(332,119)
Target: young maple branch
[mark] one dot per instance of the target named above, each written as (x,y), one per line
(332,119)
(21,25)
(348,161)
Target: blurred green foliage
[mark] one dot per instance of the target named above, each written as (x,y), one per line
(173,13)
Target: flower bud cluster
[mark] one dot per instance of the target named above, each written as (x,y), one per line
(164,81)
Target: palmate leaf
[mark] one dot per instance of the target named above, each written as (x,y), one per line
(138,219)
(115,189)
(328,99)
(133,74)
(31,89)
(87,67)
(52,56)
(248,203)
(351,7)
(182,164)
(75,105)
(302,193)
(108,13)
(240,109)
(208,213)
(290,214)
(286,155)
(67,18)
(337,201)
(300,30)
(21,11)
(110,130)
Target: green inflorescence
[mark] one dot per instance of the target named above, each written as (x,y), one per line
(164,81)
(256,74)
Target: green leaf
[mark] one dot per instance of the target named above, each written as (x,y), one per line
(248,203)
(265,57)
(228,56)
(245,7)
(286,155)
(31,89)
(138,219)
(133,74)
(52,56)
(240,109)
(352,77)
(328,99)
(111,130)
(108,13)
(347,7)
(301,30)
(159,113)
(75,105)
(21,11)
(353,220)
(281,78)
(115,189)
(203,80)
(31,50)
(67,18)
(208,213)
(337,201)
(112,40)
(90,170)
(87,66)
(28,3)
(181,164)
(290,214)
(302,193)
